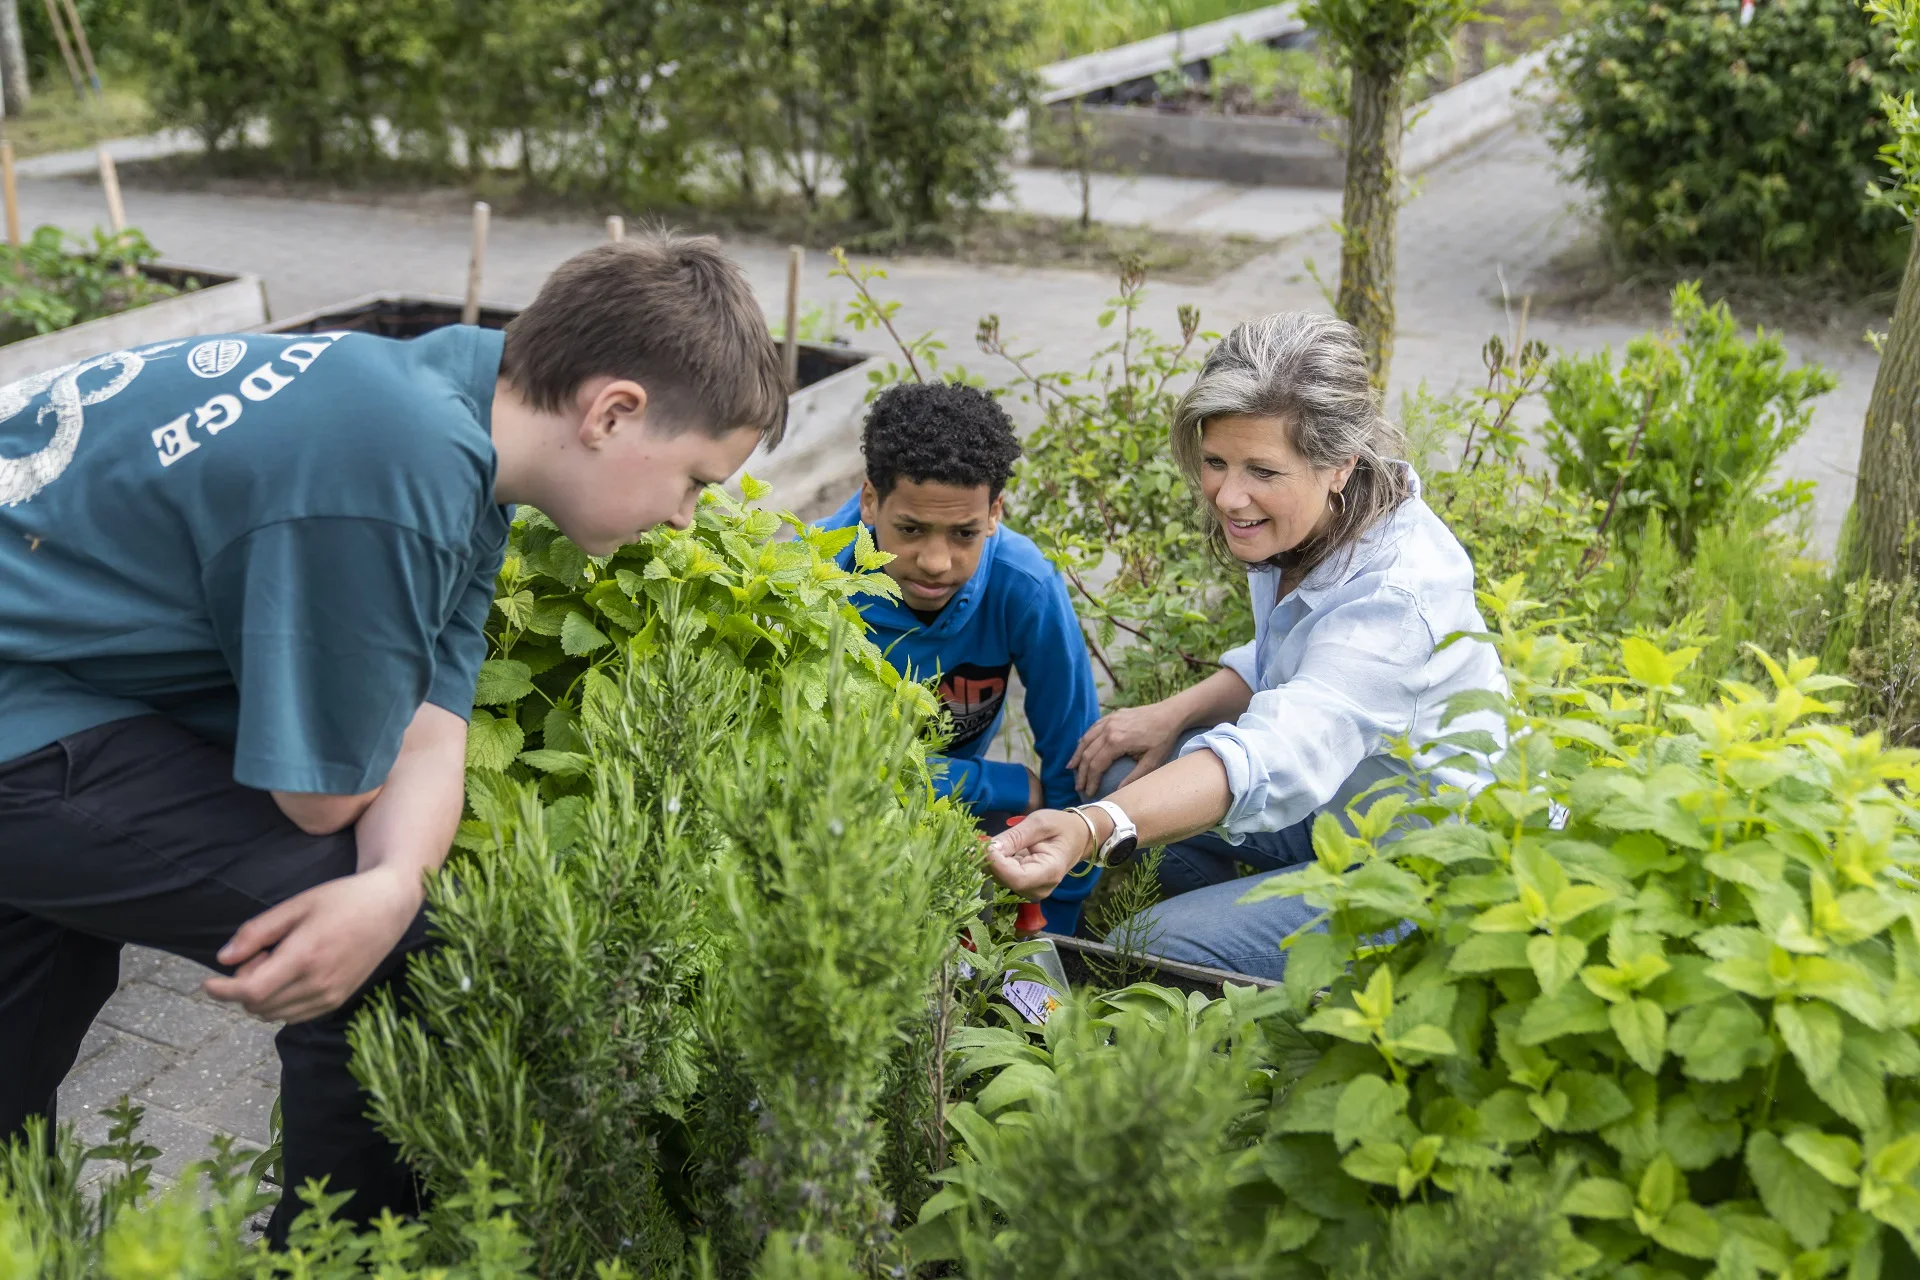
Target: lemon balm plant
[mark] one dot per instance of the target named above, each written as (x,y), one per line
(1675,944)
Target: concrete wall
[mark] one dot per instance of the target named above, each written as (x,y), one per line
(237,303)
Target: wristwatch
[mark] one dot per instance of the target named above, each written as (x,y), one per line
(1119,846)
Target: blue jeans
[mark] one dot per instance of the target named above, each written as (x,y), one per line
(1205,923)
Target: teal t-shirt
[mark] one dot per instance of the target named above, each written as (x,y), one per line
(286,543)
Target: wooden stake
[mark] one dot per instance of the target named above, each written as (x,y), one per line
(796,257)
(476,262)
(86,50)
(616,228)
(116,211)
(110,184)
(8,194)
(66,50)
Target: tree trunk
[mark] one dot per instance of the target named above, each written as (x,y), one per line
(13,60)
(1369,213)
(1887,493)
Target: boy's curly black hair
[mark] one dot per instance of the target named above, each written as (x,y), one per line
(938,431)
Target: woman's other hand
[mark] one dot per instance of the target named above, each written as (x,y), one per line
(1036,855)
(1147,734)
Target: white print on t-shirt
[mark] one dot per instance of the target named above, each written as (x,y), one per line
(216,359)
(175,440)
(66,404)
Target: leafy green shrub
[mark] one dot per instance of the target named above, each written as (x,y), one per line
(46,285)
(1710,142)
(1690,425)
(900,106)
(324,77)
(1670,942)
(563,623)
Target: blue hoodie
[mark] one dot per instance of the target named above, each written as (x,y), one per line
(1013,614)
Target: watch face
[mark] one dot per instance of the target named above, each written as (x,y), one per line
(1122,851)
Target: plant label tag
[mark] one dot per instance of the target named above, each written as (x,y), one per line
(1036,1001)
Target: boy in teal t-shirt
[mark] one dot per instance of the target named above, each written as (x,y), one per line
(245,581)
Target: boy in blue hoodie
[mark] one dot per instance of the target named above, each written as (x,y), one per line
(978,601)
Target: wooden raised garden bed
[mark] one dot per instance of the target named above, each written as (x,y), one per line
(1135,129)
(215,302)
(810,470)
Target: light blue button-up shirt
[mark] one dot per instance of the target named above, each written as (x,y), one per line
(1348,662)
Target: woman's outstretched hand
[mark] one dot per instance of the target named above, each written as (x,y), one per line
(1145,733)
(1036,855)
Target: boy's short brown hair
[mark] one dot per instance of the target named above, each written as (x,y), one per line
(672,313)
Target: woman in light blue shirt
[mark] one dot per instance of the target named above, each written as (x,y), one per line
(1356,585)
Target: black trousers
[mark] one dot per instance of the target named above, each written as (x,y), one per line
(135,831)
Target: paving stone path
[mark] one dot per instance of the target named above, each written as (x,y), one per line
(1497,210)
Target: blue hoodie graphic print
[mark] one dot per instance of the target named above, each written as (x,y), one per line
(1012,615)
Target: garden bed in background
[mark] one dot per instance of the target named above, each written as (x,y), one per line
(203,301)
(1248,100)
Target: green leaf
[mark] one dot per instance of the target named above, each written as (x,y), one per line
(1573,1010)
(1486,952)
(502,680)
(1376,1162)
(492,743)
(1593,1101)
(1506,1117)
(1641,1026)
(1834,1156)
(1694,1141)
(1812,1031)
(564,764)
(1856,1088)
(1796,1196)
(1312,963)
(1427,1039)
(1598,1198)
(1689,1230)
(1720,1041)
(1555,959)
(578,636)
(753,490)
(1370,1109)
(1020,1083)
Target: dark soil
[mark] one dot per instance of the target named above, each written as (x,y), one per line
(1589,281)
(1014,239)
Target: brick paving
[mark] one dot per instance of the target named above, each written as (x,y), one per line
(198,1067)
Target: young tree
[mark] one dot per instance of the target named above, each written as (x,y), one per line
(1886,516)
(1379,41)
(14,90)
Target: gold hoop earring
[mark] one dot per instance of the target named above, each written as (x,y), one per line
(1340,510)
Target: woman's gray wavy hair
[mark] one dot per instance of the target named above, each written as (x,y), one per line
(1311,372)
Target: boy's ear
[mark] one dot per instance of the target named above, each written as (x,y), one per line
(995,511)
(869,503)
(608,405)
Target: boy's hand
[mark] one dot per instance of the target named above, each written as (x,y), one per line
(1036,794)
(307,956)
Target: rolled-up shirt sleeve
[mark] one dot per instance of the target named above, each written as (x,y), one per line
(1241,661)
(1358,684)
